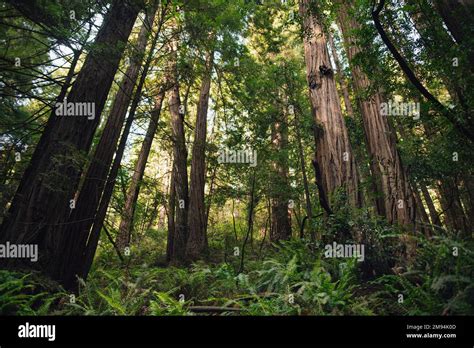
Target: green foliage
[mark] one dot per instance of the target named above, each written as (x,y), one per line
(438,283)
(25,294)
(293,279)
(164,304)
(247,99)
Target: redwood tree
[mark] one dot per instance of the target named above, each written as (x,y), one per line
(334,162)
(393,198)
(180,156)
(49,184)
(196,245)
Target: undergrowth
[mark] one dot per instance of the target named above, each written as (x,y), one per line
(293,278)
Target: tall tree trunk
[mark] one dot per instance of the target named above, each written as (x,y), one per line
(281,226)
(421,214)
(253,201)
(452,207)
(211,192)
(394,198)
(96,175)
(171,216)
(179,162)
(97,189)
(148,223)
(458,15)
(468,197)
(196,246)
(80,260)
(309,208)
(125,229)
(44,194)
(435,220)
(341,77)
(65,87)
(334,163)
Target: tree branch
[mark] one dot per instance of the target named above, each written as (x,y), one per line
(411,75)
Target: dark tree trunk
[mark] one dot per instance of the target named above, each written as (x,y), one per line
(89,234)
(95,179)
(467,197)
(94,191)
(211,192)
(44,194)
(281,225)
(81,262)
(458,15)
(65,87)
(179,162)
(421,214)
(171,216)
(126,223)
(196,246)
(452,207)
(307,195)
(253,201)
(435,220)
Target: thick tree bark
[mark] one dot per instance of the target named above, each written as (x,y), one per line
(341,78)
(179,162)
(125,229)
(89,234)
(452,207)
(96,176)
(44,194)
(394,198)
(281,226)
(196,246)
(96,187)
(334,159)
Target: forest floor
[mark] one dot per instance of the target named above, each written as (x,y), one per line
(292,278)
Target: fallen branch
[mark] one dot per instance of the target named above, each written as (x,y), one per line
(213,309)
